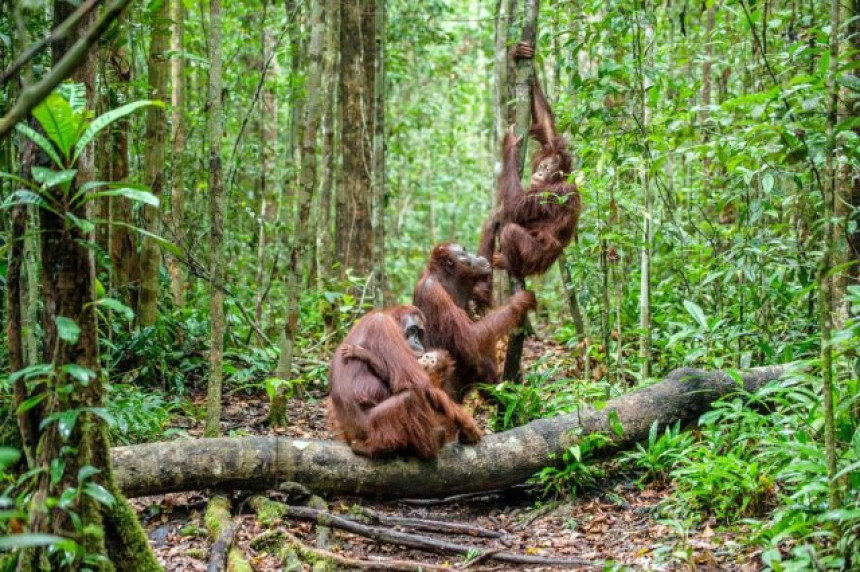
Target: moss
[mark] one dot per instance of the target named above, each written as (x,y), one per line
(268,511)
(192,530)
(217,516)
(236,563)
(197,553)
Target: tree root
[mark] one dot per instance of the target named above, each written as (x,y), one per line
(428,525)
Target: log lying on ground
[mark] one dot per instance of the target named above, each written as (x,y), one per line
(498,461)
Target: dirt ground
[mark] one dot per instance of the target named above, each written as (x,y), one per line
(612,526)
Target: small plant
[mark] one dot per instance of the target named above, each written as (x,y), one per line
(661,454)
(574,471)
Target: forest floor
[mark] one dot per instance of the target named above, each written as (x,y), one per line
(612,523)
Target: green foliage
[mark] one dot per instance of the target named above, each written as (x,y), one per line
(661,454)
(137,416)
(575,470)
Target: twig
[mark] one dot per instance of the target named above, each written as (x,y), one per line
(218,556)
(429,525)
(481,557)
(33,95)
(61,31)
(428,544)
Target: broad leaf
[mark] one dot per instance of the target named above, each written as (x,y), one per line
(144,197)
(8,456)
(75,94)
(17,179)
(163,243)
(41,141)
(52,178)
(89,186)
(59,121)
(106,119)
(79,372)
(25,197)
(68,330)
(116,306)
(29,540)
(86,472)
(100,494)
(697,313)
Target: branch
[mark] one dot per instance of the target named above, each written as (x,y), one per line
(58,34)
(34,94)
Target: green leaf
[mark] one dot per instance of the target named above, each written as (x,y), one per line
(163,243)
(100,494)
(41,141)
(75,94)
(116,306)
(31,402)
(25,197)
(32,539)
(697,313)
(60,122)
(615,423)
(83,224)
(767,183)
(35,370)
(8,456)
(137,195)
(52,178)
(79,372)
(17,179)
(67,329)
(86,472)
(106,119)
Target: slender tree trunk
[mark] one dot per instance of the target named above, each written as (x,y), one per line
(175,220)
(216,214)
(153,162)
(825,280)
(31,309)
(354,233)
(379,143)
(645,39)
(299,253)
(331,73)
(524,79)
(122,240)
(501,91)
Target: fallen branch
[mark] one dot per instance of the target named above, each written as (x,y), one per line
(426,543)
(312,554)
(498,461)
(218,556)
(428,525)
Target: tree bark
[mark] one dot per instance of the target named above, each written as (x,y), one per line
(299,259)
(379,143)
(175,220)
(525,76)
(354,235)
(498,461)
(331,73)
(153,162)
(645,40)
(216,213)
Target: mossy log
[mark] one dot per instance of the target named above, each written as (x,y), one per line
(498,461)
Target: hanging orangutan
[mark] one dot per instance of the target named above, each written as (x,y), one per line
(534,224)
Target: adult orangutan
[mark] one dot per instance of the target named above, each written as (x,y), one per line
(382,400)
(443,293)
(535,223)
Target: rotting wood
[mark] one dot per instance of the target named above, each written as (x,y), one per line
(498,461)
(429,525)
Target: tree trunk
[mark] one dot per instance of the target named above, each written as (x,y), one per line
(331,73)
(122,240)
(175,220)
(379,143)
(299,259)
(354,234)
(498,461)
(525,76)
(645,40)
(153,162)
(216,213)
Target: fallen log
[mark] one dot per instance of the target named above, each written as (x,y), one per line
(498,461)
